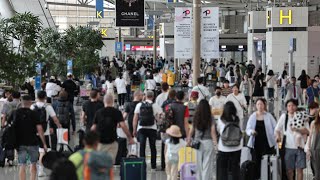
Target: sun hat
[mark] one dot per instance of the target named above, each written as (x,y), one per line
(174,131)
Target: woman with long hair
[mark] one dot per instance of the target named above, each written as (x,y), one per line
(260,129)
(231,76)
(228,157)
(271,82)
(313,147)
(204,132)
(282,82)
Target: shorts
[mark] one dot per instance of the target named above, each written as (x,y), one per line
(295,159)
(26,153)
(46,137)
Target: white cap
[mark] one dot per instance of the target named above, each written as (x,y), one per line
(69,74)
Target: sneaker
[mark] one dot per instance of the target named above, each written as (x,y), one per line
(10,163)
(41,172)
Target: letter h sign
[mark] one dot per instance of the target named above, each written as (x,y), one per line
(289,16)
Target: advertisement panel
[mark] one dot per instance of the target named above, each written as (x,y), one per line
(130,13)
(183,32)
(210,32)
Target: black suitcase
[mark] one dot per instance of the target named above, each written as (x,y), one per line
(247,170)
(2,156)
(133,168)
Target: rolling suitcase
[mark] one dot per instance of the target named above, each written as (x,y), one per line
(133,168)
(186,155)
(271,167)
(247,170)
(187,163)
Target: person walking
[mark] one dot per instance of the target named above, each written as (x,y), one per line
(89,109)
(172,146)
(303,78)
(28,130)
(192,105)
(231,76)
(240,103)
(70,86)
(282,82)
(121,90)
(246,88)
(204,131)
(295,157)
(260,129)
(130,107)
(161,98)
(217,102)
(228,157)
(144,126)
(52,89)
(294,91)
(226,89)
(313,92)
(45,111)
(105,123)
(203,91)
(258,85)
(271,83)
(313,147)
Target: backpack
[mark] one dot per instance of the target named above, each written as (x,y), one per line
(93,162)
(63,115)
(233,79)
(192,106)
(42,112)
(168,118)
(8,133)
(231,135)
(146,117)
(11,108)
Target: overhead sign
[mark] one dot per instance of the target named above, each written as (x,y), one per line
(210,32)
(99,9)
(130,13)
(183,32)
(118,47)
(173,1)
(69,66)
(107,32)
(288,17)
(128,47)
(150,23)
(37,85)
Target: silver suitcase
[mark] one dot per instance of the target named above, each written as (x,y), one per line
(271,168)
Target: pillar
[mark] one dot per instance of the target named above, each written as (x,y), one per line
(154,41)
(196,40)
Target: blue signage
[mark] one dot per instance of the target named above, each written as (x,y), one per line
(69,66)
(128,47)
(99,9)
(150,23)
(118,47)
(37,84)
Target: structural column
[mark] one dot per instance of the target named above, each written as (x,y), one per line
(120,40)
(196,41)
(154,41)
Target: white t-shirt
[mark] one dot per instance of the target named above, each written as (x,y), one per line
(49,110)
(158,78)
(120,85)
(283,81)
(290,140)
(52,89)
(272,82)
(161,98)
(221,147)
(151,84)
(174,148)
(202,90)
(216,102)
(232,79)
(156,111)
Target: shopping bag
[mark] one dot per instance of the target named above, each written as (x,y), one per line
(62,136)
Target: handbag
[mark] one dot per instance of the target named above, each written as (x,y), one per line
(195,144)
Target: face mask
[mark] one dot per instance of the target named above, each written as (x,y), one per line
(218,93)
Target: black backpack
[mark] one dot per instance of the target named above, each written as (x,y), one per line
(42,112)
(231,135)
(8,133)
(62,112)
(146,117)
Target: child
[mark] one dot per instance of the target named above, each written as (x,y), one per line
(173,144)
(300,120)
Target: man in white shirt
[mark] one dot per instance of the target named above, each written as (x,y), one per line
(294,91)
(52,89)
(144,122)
(295,158)
(217,103)
(239,102)
(41,103)
(201,89)
(164,95)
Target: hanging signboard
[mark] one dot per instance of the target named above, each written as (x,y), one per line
(99,9)
(130,13)
(69,66)
(183,32)
(37,85)
(210,32)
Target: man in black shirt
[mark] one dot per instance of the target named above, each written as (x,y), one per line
(27,126)
(130,107)
(250,68)
(90,108)
(105,123)
(70,87)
